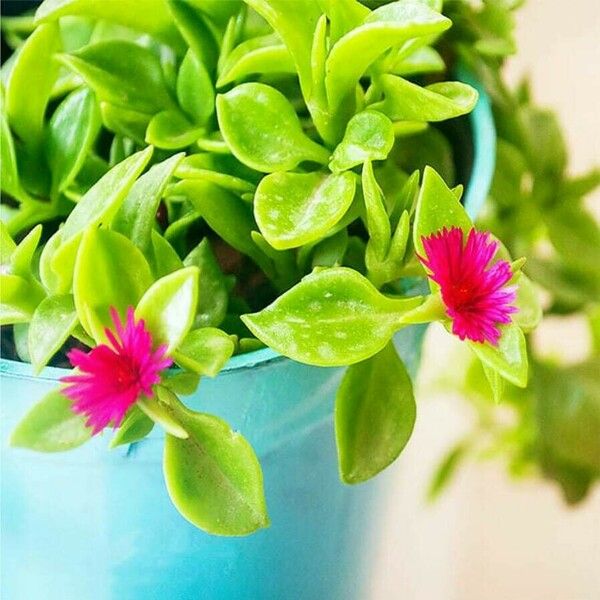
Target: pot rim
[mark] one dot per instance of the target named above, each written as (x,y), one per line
(484,161)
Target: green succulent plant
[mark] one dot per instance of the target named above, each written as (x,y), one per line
(238,175)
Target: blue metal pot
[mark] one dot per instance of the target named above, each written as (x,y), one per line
(94,524)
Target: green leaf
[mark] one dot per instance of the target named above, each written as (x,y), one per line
(104,199)
(135,427)
(214,478)
(508,358)
(51,325)
(369,136)
(295,23)
(378,222)
(51,426)
(122,73)
(195,90)
(34,68)
(9,177)
(575,234)
(375,414)
(130,124)
(157,21)
(331,318)
(20,261)
(205,351)
(568,412)
(171,130)
(437,207)
(262,129)
(293,209)
(260,55)
(422,60)
(19,299)
(137,215)
(406,101)
(530,311)
(71,133)
(388,26)
(226,214)
(169,306)
(181,382)
(446,471)
(213,293)
(159,409)
(110,272)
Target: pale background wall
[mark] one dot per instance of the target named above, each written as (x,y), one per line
(490,538)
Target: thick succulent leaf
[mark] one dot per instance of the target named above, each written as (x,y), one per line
(171,130)
(260,55)
(214,478)
(508,358)
(169,307)
(195,90)
(157,21)
(369,136)
(104,199)
(226,214)
(137,215)
(293,209)
(375,414)
(205,351)
(388,26)
(135,426)
(122,73)
(52,323)
(30,84)
(110,272)
(406,101)
(437,207)
(295,24)
(51,426)
(213,293)
(262,129)
(331,318)
(71,133)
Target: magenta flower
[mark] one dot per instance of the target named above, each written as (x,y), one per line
(474,293)
(113,376)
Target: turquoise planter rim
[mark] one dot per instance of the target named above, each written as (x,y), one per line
(484,159)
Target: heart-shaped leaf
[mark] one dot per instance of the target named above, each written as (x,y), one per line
(331,318)
(263,131)
(293,209)
(375,414)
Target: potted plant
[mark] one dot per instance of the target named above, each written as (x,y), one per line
(253,194)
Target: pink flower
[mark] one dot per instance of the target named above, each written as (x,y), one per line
(113,376)
(474,293)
